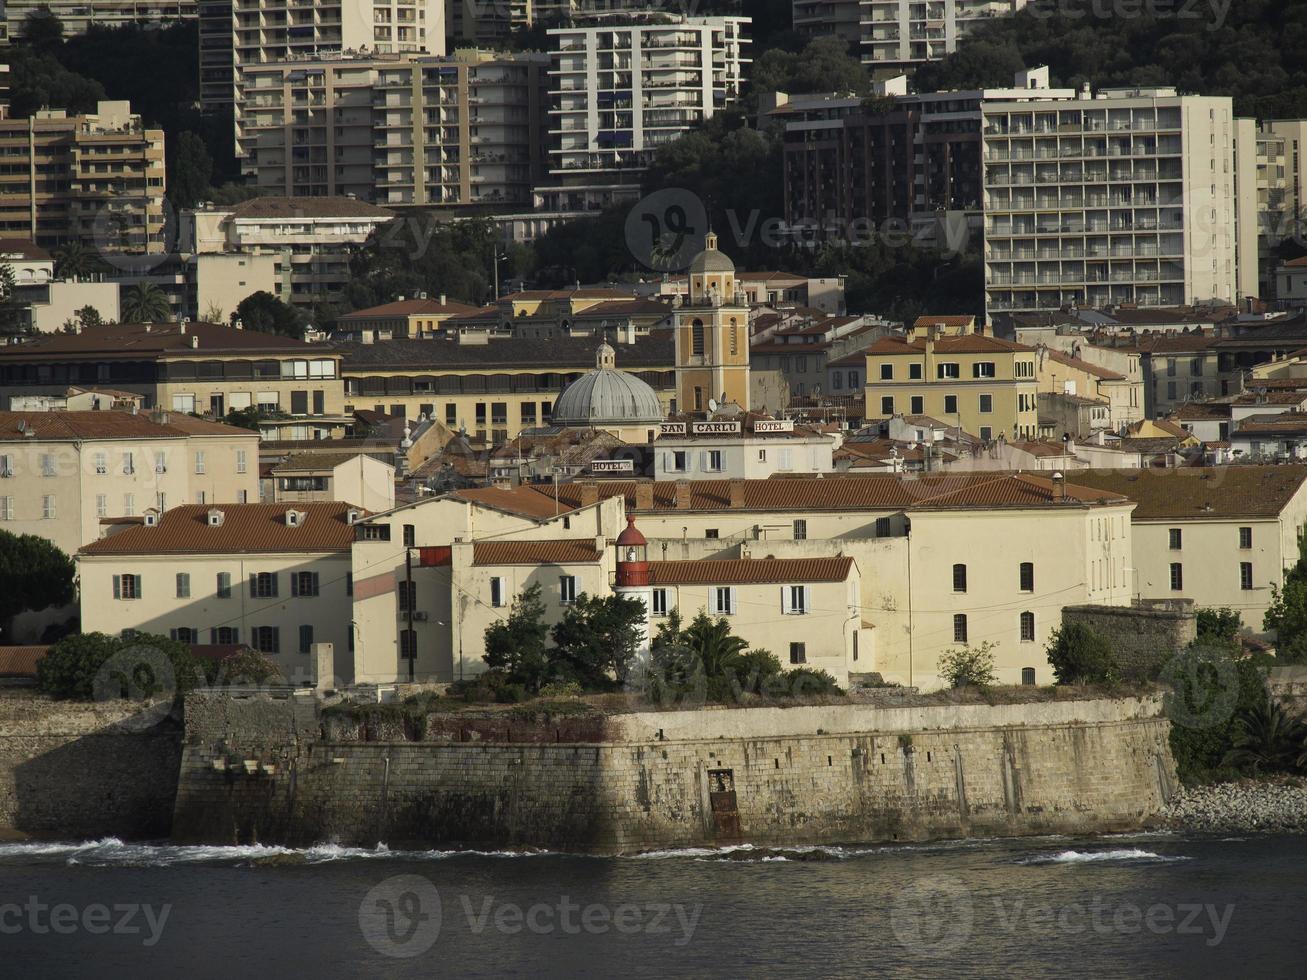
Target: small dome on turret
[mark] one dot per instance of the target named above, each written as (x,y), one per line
(710,260)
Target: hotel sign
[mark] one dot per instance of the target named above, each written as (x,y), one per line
(612,466)
(672,429)
(774,425)
(714,428)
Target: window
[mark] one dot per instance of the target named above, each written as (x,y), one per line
(240,461)
(48,507)
(185,634)
(126,586)
(306,638)
(304,583)
(199,461)
(567,589)
(263,585)
(794,600)
(1027,627)
(1170,367)
(887,372)
(497,592)
(959,627)
(676,461)
(410,535)
(47,464)
(129,464)
(914,372)
(1196,367)
(712,461)
(660,602)
(887,405)
(183,585)
(161,462)
(1026,573)
(983,369)
(696,338)
(1028,675)
(918,405)
(101,464)
(1170,391)
(129,504)
(1177,576)
(6,466)
(407,594)
(723,601)
(959,578)
(986,433)
(986,404)
(710,534)
(349,583)
(408,644)
(101,505)
(224,585)
(1245,575)
(950,404)
(798,653)
(266,639)
(6,508)
(947,369)
(1175,538)
(882,527)
(373,532)
(800,530)
(1245,537)
(225,634)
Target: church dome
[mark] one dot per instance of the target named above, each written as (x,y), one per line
(607,396)
(710,260)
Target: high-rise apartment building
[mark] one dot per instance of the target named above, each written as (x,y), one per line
(79,16)
(267,31)
(97,178)
(627,85)
(1126,196)
(901,34)
(464,130)
(843,18)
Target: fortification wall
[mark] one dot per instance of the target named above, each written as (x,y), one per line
(257,769)
(1144,635)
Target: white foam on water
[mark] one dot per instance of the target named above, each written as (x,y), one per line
(1093,857)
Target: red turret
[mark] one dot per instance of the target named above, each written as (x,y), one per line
(632,557)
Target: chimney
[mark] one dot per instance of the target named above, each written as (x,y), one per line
(1059,487)
(644,495)
(737,494)
(682,495)
(443,299)
(589,494)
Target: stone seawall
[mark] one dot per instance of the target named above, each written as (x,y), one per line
(71,770)
(261,770)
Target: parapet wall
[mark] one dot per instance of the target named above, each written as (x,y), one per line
(260,770)
(1144,635)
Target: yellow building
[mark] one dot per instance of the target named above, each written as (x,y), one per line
(401,320)
(981,384)
(712,334)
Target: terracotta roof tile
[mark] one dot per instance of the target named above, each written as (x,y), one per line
(749,571)
(245,529)
(570,551)
(409,307)
(972,343)
(109,425)
(309,207)
(948,321)
(20,661)
(137,340)
(1084,366)
(1201,492)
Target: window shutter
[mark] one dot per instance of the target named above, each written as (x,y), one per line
(276,639)
(136,581)
(274,576)
(349,583)
(117,586)
(315,582)
(294,584)
(235,634)
(785,600)
(254,585)
(172,634)
(704,465)
(807,598)
(712,601)
(306,638)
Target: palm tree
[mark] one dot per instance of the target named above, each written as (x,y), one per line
(718,649)
(1266,738)
(76,261)
(146,303)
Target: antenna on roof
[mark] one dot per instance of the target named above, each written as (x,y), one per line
(712,404)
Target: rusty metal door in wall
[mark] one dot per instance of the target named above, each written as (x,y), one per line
(725,810)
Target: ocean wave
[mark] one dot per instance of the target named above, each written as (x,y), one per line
(1091,857)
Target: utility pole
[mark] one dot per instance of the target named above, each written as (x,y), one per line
(409,602)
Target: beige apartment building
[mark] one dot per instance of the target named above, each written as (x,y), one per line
(1222,536)
(79,16)
(1123,196)
(203,368)
(985,386)
(97,178)
(352,477)
(899,35)
(403,319)
(62,473)
(411,130)
(274,577)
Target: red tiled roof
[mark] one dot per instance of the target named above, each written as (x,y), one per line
(24,248)
(109,425)
(146,340)
(1084,366)
(749,571)
(20,661)
(971,343)
(948,321)
(309,207)
(527,501)
(1202,492)
(410,307)
(564,552)
(245,529)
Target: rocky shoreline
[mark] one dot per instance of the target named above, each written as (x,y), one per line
(1246,806)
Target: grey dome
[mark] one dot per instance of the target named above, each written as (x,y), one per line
(710,260)
(606,396)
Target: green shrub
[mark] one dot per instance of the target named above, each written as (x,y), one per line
(561,689)
(96,666)
(246,667)
(968,666)
(1208,690)
(1081,656)
(808,682)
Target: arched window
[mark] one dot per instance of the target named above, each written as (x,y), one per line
(1027,675)
(1027,627)
(696,338)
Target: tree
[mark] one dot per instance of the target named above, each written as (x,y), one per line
(213,313)
(596,641)
(516,645)
(37,80)
(417,253)
(1218,625)
(42,30)
(265,313)
(1265,739)
(13,311)
(75,261)
(1081,656)
(244,418)
(75,667)
(190,169)
(1287,614)
(824,65)
(968,666)
(34,575)
(146,303)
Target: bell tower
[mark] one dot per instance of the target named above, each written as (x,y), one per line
(712,334)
